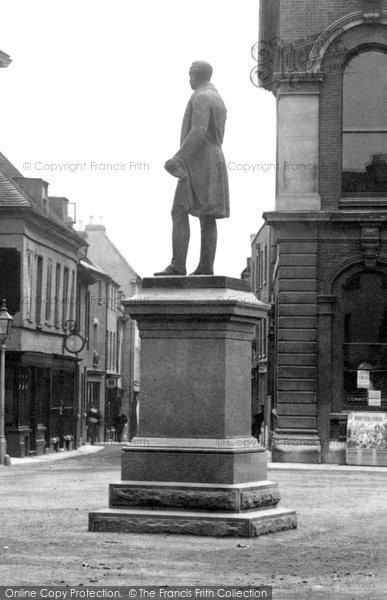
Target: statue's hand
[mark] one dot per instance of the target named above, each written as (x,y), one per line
(175,169)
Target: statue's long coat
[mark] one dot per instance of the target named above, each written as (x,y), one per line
(204,192)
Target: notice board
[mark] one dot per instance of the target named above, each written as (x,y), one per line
(367,439)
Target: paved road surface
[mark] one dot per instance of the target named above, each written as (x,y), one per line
(338,551)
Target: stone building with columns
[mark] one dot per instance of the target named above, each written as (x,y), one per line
(326,63)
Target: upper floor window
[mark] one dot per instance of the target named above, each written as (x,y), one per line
(48,290)
(57,295)
(365,124)
(29,283)
(72,296)
(65,294)
(39,290)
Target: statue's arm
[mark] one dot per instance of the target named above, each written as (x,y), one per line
(201,110)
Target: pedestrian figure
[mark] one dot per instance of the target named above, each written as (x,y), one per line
(256,428)
(93,420)
(119,424)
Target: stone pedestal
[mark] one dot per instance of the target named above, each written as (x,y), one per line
(194,467)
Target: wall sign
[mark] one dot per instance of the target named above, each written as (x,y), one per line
(374,398)
(363,379)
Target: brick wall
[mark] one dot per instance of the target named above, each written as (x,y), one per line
(303,18)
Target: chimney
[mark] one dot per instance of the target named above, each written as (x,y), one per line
(60,206)
(95,227)
(37,189)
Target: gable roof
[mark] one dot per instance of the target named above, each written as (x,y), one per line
(12,196)
(101,229)
(122,257)
(8,168)
(90,265)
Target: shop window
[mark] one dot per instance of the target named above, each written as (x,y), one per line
(11,415)
(42,394)
(93,393)
(364,303)
(365,124)
(23,394)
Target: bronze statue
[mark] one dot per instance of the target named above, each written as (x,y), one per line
(202,189)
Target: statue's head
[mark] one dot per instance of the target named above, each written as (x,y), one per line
(199,73)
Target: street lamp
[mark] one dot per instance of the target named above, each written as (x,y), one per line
(5,324)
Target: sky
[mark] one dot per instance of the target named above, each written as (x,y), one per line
(93,103)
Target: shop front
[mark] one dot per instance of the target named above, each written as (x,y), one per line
(40,405)
(359,353)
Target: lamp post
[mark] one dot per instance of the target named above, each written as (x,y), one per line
(5,324)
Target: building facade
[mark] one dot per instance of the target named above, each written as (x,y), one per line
(123,380)
(56,292)
(98,322)
(325,245)
(39,254)
(261,273)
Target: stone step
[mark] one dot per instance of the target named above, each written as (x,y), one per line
(194,496)
(248,524)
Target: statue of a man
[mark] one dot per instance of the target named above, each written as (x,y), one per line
(199,165)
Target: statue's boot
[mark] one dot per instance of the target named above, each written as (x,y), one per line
(180,241)
(209,238)
(169,271)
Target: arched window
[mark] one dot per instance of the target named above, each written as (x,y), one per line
(364,313)
(364,161)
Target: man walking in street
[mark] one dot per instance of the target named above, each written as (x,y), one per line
(119,424)
(93,420)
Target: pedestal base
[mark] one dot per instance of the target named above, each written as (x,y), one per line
(244,510)
(251,524)
(193,496)
(190,464)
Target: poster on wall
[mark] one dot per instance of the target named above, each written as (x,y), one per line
(363,379)
(374,398)
(367,439)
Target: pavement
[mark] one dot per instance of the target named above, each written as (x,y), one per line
(338,551)
(52,456)
(90,449)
